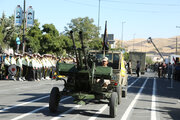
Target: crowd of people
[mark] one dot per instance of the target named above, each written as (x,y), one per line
(168,70)
(29,67)
(163,70)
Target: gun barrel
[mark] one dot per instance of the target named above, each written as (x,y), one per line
(74,47)
(83,47)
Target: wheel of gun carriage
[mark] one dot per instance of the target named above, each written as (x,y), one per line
(113,104)
(118,90)
(54,99)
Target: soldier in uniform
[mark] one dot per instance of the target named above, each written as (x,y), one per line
(32,70)
(40,67)
(19,67)
(24,65)
(1,67)
(6,65)
(44,67)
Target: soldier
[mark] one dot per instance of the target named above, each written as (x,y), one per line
(170,69)
(32,70)
(24,65)
(130,67)
(41,67)
(48,66)
(6,65)
(1,67)
(38,67)
(160,66)
(138,68)
(44,67)
(105,62)
(35,70)
(19,67)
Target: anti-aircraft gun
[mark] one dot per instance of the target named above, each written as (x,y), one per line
(85,80)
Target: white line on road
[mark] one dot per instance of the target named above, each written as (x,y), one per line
(133,82)
(36,110)
(3,110)
(66,112)
(153,105)
(128,110)
(105,106)
(99,112)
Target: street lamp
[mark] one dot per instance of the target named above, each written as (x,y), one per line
(122,33)
(133,40)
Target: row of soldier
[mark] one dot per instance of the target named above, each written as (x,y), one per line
(30,66)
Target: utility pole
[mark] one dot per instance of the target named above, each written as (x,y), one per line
(23,37)
(133,40)
(122,34)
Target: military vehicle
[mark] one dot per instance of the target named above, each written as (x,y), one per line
(85,80)
(138,56)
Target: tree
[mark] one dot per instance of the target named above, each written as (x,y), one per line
(96,44)
(34,36)
(90,31)
(126,56)
(51,42)
(7,31)
(149,60)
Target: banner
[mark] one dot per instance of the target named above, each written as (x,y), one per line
(18,16)
(30,17)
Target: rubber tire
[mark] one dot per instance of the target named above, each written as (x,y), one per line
(54,99)
(113,104)
(124,93)
(119,92)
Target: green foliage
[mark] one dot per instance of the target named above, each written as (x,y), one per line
(34,36)
(96,44)
(149,60)
(126,56)
(90,31)
(48,40)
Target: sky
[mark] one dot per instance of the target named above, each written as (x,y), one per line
(140,18)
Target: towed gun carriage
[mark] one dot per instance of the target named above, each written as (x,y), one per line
(85,80)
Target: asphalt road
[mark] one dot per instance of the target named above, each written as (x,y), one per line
(149,98)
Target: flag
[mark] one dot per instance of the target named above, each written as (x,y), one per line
(123,69)
(105,39)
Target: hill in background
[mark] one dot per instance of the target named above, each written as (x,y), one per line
(165,45)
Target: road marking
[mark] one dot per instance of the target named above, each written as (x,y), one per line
(99,112)
(128,110)
(133,82)
(153,105)
(66,112)
(36,110)
(3,110)
(105,106)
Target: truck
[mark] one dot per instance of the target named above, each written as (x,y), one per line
(138,56)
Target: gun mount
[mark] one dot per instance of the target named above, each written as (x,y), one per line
(85,80)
